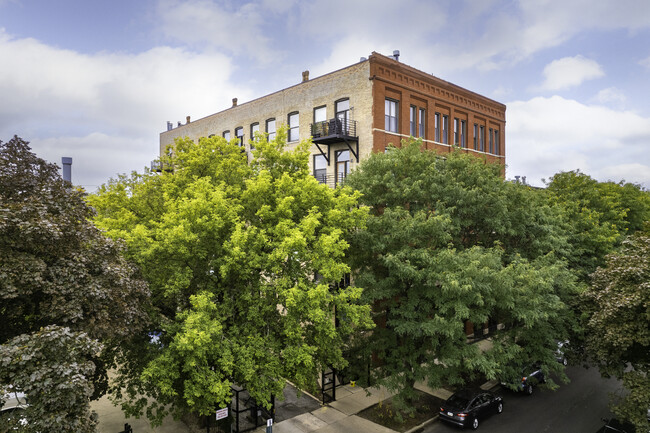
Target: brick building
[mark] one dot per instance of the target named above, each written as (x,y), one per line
(361,109)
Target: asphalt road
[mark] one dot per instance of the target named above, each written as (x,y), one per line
(576,407)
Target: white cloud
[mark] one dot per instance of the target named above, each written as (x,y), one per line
(486,35)
(238,30)
(111,104)
(279,6)
(611,95)
(569,72)
(633,172)
(549,135)
(547,23)
(501,92)
(645,63)
(498,34)
(91,154)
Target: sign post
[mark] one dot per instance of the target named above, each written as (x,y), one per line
(222,413)
(269,425)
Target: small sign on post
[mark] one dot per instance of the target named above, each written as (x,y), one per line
(269,425)
(222,413)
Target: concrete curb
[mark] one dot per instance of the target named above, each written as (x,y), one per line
(487,386)
(423,425)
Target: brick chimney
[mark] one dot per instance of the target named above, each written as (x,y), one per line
(234,102)
(187,119)
(305,76)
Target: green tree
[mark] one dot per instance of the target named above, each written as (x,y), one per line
(618,338)
(242,260)
(597,215)
(64,288)
(449,242)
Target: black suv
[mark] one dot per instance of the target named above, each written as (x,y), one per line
(530,377)
(615,426)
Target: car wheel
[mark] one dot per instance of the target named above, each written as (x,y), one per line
(500,407)
(474,423)
(529,389)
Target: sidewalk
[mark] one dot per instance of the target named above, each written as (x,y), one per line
(112,420)
(341,415)
(338,416)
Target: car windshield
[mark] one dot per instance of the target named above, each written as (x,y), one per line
(458,401)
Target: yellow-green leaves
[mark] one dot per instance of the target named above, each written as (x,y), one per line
(242,260)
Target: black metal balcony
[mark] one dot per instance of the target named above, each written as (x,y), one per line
(330,180)
(335,131)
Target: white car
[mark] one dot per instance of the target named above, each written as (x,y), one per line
(11,411)
(559,352)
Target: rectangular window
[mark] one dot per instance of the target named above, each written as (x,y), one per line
(456,131)
(319,127)
(342,165)
(497,151)
(255,127)
(412,111)
(270,128)
(293,127)
(463,133)
(239,133)
(445,129)
(437,126)
(476,136)
(390,115)
(421,120)
(342,108)
(481,139)
(491,140)
(320,114)
(226,135)
(320,168)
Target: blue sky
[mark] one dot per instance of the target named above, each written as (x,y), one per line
(97,80)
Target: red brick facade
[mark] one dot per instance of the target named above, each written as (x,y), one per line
(441,101)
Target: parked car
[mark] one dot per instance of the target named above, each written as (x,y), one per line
(559,352)
(466,408)
(530,377)
(11,413)
(615,426)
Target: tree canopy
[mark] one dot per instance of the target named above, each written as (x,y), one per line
(449,241)
(618,338)
(597,216)
(65,293)
(242,259)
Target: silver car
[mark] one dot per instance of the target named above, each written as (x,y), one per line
(11,413)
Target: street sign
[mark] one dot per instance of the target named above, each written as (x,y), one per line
(222,413)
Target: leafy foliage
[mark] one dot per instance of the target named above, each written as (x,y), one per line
(63,288)
(597,215)
(449,243)
(54,355)
(241,259)
(618,303)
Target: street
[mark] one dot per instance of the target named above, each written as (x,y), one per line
(576,407)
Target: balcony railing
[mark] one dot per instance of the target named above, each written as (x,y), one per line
(330,180)
(334,128)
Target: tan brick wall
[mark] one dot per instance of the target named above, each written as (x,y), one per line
(351,82)
(366,84)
